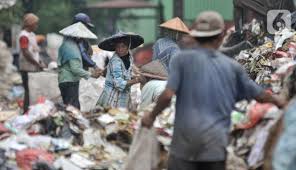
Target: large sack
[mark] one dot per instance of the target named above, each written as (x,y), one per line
(89,93)
(43,84)
(144,151)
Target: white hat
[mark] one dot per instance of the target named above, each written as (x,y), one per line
(78,30)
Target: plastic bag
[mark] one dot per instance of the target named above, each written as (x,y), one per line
(255,114)
(144,151)
(89,93)
(28,157)
(36,112)
(43,84)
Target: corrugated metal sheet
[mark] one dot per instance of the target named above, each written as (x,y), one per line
(194,7)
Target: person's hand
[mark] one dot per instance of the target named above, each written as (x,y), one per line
(147,120)
(140,79)
(96,73)
(41,66)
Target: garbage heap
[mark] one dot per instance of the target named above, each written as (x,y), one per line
(255,126)
(10,80)
(53,136)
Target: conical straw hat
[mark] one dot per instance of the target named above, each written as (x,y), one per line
(154,69)
(78,30)
(109,43)
(175,24)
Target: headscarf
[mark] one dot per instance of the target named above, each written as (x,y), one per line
(29,19)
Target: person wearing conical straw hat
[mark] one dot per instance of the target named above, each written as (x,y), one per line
(70,69)
(119,78)
(166,47)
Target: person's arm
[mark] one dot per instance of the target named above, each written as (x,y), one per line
(24,44)
(117,75)
(248,89)
(85,55)
(266,97)
(76,68)
(163,102)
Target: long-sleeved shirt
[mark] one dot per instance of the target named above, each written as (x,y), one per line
(164,50)
(86,60)
(116,93)
(70,63)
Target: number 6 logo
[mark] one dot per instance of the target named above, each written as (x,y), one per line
(278,19)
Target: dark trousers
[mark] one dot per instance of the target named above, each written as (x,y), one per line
(25,80)
(70,93)
(179,164)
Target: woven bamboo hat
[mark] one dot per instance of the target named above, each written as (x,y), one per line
(175,24)
(78,30)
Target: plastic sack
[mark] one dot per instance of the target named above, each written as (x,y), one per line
(255,114)
(28,157)
(89,93)
(43,84)
(36,112)
(144,151)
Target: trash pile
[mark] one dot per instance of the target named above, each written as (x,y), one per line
(253,124)
(10,80)
(251,133)
(54,136)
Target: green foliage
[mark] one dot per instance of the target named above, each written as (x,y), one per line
(10,16)
(54,15)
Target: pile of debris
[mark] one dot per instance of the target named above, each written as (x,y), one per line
(270,65)
(10,80)
(55,136)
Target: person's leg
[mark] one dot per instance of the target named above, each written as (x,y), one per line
(179,164)
(62,87)
(25,80)
(219,165)
(70,93)
(75,97)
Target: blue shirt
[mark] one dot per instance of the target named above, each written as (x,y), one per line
(164,50)
(207,85)
(86,59)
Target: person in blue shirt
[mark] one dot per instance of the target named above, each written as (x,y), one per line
(83,44)
(166,47)
(207,84)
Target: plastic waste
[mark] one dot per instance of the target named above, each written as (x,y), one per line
(26,158)
(36,112)
(144,151)
(92,137)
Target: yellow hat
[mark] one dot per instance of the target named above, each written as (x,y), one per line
(175,24)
